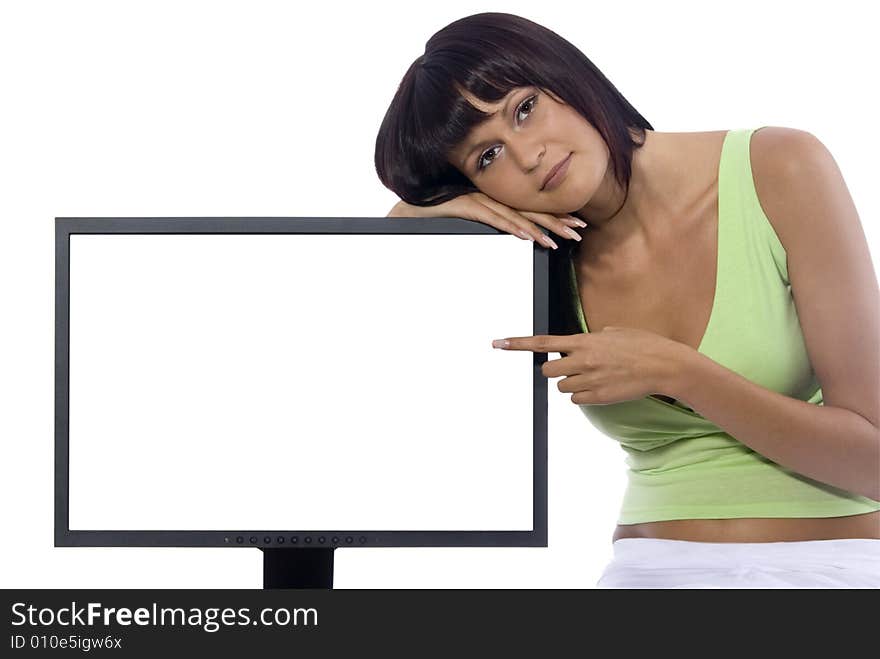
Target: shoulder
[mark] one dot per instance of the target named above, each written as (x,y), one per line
(789,167)
(781,155)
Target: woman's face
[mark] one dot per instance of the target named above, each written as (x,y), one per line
(509,156)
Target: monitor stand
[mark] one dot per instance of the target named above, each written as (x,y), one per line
(298,567)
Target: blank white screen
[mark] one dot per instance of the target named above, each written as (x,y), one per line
(299,382)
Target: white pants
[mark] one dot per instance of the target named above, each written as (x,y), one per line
(657,563)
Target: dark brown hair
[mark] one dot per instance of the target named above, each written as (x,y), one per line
(488,55)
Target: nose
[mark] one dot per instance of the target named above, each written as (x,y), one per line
(526,154)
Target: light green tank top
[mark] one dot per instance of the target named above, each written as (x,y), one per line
(682,466)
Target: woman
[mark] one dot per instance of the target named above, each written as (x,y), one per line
(673,298)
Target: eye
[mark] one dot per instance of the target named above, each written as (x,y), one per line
(530,102)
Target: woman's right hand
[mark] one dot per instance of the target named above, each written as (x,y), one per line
(482,208)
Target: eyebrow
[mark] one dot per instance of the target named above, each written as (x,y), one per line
(479,145)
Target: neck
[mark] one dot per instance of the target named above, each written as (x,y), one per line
(615,216)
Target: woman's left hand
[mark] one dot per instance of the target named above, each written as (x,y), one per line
(611,366)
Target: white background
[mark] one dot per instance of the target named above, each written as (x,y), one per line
(272,108)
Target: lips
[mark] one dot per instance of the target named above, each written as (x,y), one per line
(555,169)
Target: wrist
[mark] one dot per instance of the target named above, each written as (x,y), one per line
(684,366)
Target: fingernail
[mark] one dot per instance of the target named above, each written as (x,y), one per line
(500,343)
(548,242)
(580,223)
(525,235)
(572,233)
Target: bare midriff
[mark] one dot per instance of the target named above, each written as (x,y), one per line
(752,529)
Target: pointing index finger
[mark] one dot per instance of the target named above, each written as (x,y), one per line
(538,343)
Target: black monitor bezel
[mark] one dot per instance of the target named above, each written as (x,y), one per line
(327,538)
